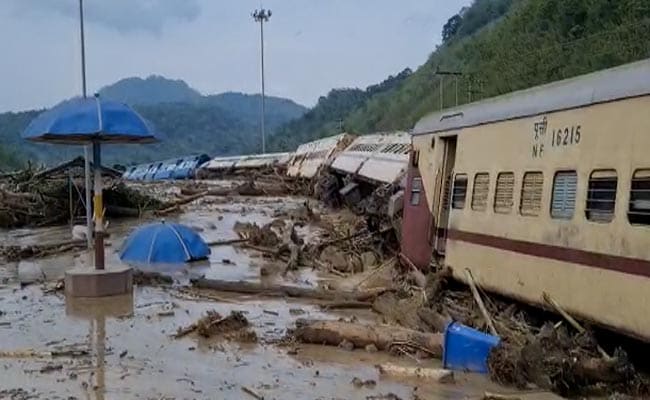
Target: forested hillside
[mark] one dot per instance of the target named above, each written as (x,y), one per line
(504,45)
(327,117)
(226,124)
(494,47)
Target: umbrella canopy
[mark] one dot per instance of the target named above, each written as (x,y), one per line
(164,243)
(85,120)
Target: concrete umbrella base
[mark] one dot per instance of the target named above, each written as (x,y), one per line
(99,283)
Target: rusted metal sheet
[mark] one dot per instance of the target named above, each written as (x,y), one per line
(380,157)
(310,157)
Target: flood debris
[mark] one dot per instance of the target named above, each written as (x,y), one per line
(151,278)
(31,353)
(384,337)
(41,197)
(359,383)
(534,350)
(232,327)
(433,374)
(500,396)
(245,287)
(252,393)
(16,253)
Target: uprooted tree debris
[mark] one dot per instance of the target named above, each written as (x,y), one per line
(533,351)
(49,196)
(383,337)
(232,327)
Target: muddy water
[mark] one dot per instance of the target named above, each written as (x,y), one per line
(131,353)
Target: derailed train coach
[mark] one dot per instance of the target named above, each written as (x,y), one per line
(311,158)
(220,166)
(368,174)
(542,191)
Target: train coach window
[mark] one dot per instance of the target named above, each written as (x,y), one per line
(459,192)
(416,190)
(480,191)
(601,196)
(503,196)
(563,202)
(531,193)
(639,210)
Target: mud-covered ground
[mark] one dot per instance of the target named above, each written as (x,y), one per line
(123,348)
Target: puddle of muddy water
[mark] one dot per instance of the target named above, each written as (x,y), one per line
(132,354)
(140,359)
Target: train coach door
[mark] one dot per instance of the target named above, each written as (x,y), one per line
(443,204)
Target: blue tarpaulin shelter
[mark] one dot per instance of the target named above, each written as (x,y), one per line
(164,243)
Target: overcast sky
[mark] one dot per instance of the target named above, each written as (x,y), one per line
(312,46)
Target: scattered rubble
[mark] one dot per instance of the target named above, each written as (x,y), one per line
(233,327)
(43,197)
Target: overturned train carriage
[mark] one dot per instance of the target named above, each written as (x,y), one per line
(545,190)
(310,158)
(368,174)
(220,166)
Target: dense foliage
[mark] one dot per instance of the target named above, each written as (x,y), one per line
(327,117)
(152,90)
(224,124)
(530,43)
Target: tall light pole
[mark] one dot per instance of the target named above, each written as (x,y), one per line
(262,16)
(441,74)
(89,221)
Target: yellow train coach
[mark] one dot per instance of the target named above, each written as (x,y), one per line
(545,190)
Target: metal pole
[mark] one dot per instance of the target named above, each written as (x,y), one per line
(98,207)
(263,87)
(442,99)
(89,221)
(456,85)
(262,16)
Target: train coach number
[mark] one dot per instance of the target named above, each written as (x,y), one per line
(565,137)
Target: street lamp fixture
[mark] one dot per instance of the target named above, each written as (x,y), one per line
(262,16)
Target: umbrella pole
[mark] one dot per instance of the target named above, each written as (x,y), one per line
(98,208)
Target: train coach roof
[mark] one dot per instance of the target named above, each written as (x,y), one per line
(629,80)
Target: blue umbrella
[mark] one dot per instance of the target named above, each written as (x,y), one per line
(164,243)
(88,120)
(91,120)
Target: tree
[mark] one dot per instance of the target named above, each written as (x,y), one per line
(450,29)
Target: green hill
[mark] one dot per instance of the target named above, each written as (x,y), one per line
(326,118)
(497,46)
(223,124)
(523,43)
(152,90)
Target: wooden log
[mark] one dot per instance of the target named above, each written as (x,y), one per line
(282,290)
(500,396)
(436,321)
(343,305)
(173,206)
(226,242)
(479,301)
(435,374)
(382,336)
(547,297)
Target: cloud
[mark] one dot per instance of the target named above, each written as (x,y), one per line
(121,15)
